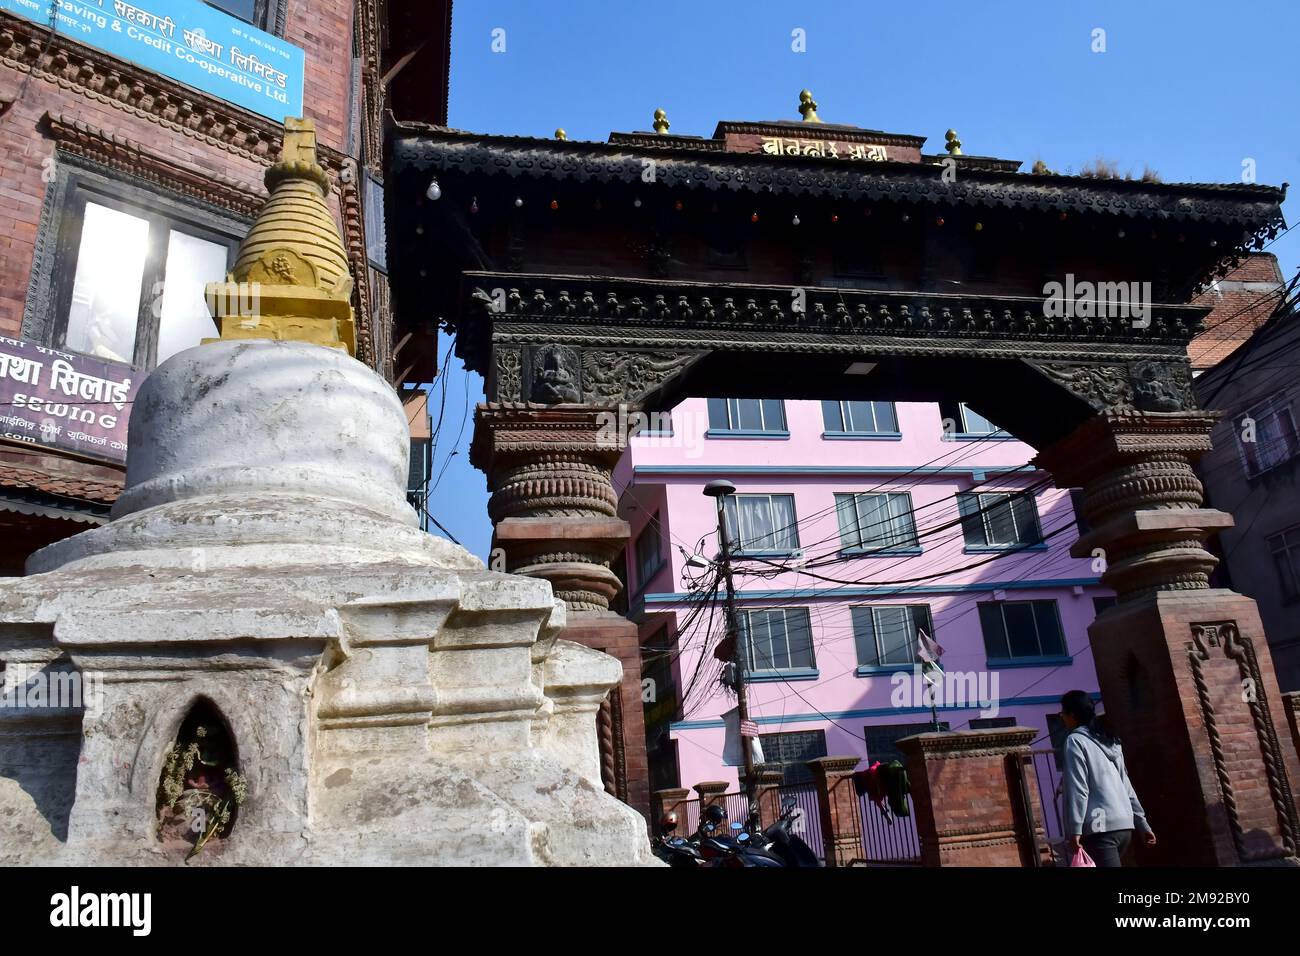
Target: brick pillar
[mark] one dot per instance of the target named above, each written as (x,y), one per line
(664,802)
(767,791)
(968,799)
(837,806)
(554,515)
(711,791)
(1291,704)
(1184,669)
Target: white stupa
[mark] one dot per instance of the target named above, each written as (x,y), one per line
(361,691)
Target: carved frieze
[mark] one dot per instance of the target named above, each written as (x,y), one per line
(1146,386)
(611,378)
(1101,386)
(1163,386)
(509,375)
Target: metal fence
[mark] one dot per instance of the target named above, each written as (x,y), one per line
(1049,778)
(888,840)
(808,824)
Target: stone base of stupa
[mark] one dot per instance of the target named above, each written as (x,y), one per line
(386,699)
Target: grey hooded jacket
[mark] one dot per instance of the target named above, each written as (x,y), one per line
(1098,795)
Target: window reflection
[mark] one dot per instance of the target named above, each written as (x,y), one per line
(106,291)
(191,264)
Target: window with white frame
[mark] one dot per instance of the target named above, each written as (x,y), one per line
(999,519)
(1267,436)
(1021,629)
(861,418)
(778,639)
(1286,558)
(885,634)
(761,523)
(747,415)
(876,521)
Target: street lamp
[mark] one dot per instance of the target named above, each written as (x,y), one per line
(721,489)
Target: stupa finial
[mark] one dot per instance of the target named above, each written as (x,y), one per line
(291,279)
(808,107)
(661,121)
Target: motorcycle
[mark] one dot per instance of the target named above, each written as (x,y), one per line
(675,850)
(781,841)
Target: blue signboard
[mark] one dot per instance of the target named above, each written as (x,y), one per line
(188,41)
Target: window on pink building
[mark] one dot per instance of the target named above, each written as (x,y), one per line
(649,553)
(860,418)
(1021,630)
(999,519)
(779,639)
(792,751)
(877,522)
(747,416)
(885,634)
(762,523)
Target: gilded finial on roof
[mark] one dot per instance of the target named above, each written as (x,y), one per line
(953,145)
(291,280)
(808,107)
(661,121)
(561,134)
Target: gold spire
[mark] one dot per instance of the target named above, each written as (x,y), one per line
(561,134)
(291,279)
(808,107)
(661,121)
(953,146)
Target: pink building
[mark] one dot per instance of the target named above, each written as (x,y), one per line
(858,522)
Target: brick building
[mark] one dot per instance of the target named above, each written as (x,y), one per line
(129,179)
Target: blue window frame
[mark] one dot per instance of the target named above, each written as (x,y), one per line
(759,417)
(885,634)
(876,522)
(779,639)
(1022,630)
(761,523)
(860,418)
(998,520)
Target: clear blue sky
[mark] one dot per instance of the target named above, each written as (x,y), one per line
(1189,88)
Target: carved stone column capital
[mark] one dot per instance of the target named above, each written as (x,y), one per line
(550,469)
(1141,497)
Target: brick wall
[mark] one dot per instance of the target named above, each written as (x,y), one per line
(323,28)
(1241,302)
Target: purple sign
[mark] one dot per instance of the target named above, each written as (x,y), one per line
(62,400)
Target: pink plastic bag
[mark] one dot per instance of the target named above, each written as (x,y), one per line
(1081,858)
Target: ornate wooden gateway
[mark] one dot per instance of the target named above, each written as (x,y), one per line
(819,261)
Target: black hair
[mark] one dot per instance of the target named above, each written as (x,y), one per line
(1078,704)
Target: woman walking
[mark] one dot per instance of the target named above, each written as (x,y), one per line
(1101,809)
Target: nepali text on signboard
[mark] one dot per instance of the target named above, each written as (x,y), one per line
(775,146)
(188,41)
(65,401)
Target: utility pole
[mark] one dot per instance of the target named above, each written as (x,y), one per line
(720,490)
